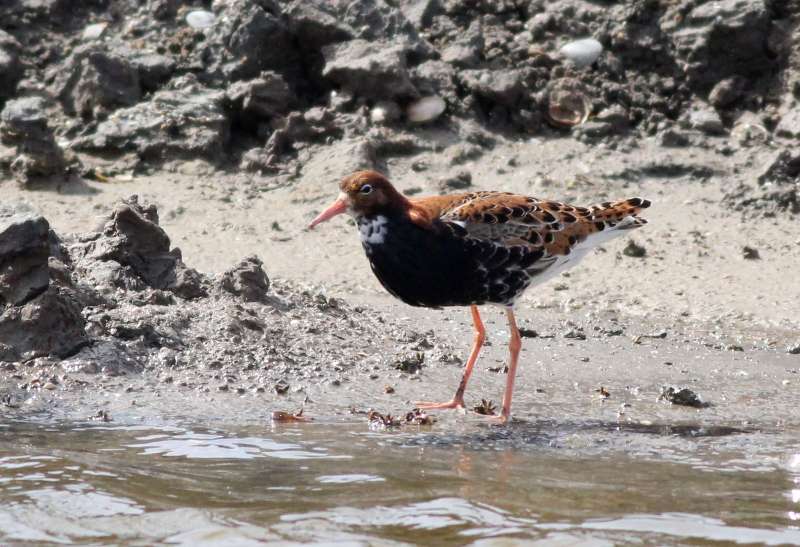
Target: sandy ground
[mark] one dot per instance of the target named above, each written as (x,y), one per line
(692,312)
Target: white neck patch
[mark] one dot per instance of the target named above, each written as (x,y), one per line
(373,231)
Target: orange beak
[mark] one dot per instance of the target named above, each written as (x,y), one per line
(336,208)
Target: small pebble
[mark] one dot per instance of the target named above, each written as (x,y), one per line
(200,19)
(749,253)
(426,109)
(634,250)
(582,52)
(93,32)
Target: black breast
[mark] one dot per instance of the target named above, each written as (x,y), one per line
(440,266)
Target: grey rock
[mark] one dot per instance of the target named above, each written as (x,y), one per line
(316,24)
(420,12)
(11,70)
(726,92)
(184,120)
(706,120)
(23,124)
(789,126)
(263,97)
(682,396)
(97,81)
(460,181)
(461,54)
(50,324)
(24,254)
(717,40)
(154,69)
(781,168)
(672,138)
(436,78)
(504,87)
(251,38)
(132,238)
(369,69)
(247,279)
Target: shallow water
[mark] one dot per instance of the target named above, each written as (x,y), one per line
(451,484)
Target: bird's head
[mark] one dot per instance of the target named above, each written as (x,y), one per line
(363,193)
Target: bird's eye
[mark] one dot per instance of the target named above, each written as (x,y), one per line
(366,189)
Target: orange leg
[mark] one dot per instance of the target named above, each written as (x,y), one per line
(458,399)
(514,345)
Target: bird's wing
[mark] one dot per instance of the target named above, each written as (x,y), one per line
(513,219)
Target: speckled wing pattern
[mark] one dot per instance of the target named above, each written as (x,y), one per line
(537,238)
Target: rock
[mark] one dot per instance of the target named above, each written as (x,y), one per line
(726,92)
(681,396)
(789,126)
(11,70)
(183,121)
(97,81)
(425,109)
(132,238)
(717,40)
(672,138)
(462,180)
(200,19)
(24,254)
(750,253)
(782,167)
(634,250)
(247,279)
(504,87)
(251,38)
(706,120)
(23,124)
(316,24)
(582,52)
(462,53)
(436,78)
(49,324)
(376,70)
(154,69)
(264,97)
(420,12)
(384,112)
(93,31)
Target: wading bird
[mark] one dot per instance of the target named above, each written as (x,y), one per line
(473,248)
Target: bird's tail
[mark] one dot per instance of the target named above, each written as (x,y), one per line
(620,215)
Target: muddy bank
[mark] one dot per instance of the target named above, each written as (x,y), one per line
(120,88)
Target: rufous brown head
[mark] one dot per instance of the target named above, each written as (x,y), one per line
(363,193)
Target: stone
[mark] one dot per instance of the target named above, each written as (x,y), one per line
(726,92)
(582,52)
(267,96)
(251,38)
(98,81)
(24,255)
(132,238)
(717,40)
(11,70)
(374,70)
(706,120)
(182,121)
(247,279)
(504,87)
(23,124)
(789,125)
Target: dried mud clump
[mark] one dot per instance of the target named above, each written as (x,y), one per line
(257,82)
(120,301)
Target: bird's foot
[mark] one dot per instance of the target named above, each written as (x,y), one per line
(500,419)
(455,403)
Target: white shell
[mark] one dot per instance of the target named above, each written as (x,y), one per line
(582,52)
(95,31)
(425,109)
(200,18)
